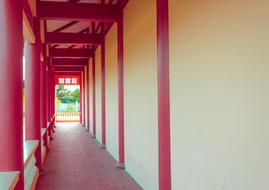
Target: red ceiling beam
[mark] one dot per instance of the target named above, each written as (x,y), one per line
(62,52)
(66,69)
(77,11)
(69,62)
(73,1)
(67,73)
(73,38)
(66,26)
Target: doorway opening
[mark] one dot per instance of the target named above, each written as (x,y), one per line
(68,99)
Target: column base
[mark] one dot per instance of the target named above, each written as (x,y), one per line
(93,136)
(87,129)
(120,165)
(103,146)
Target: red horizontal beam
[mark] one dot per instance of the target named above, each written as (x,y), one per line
(73,38)
(77,11)
(72,69)
(70,62)
(61,52)
(66,26)
(67,73)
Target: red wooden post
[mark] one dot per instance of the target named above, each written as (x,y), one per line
(44,101)
(84,97)
(103,94)
(93,98)
(11,83)
(49,94)
(33,95)
(120,92)
(87,97)
(80,101)
(53,100)
(163,95)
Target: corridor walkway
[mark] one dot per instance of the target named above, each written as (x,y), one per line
(76,162)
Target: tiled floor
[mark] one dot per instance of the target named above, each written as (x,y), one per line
(76,162)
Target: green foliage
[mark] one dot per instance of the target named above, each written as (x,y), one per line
(66,96)
(76,95)
(58,102)
(70,108)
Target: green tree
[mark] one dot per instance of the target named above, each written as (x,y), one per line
(62,94)
(75,95)
(66,96)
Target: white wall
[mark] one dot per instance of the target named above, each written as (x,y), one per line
(219,66)
(98,94)
(112,92)
(140,92)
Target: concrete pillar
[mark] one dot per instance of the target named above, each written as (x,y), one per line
(11,88)
(33,95)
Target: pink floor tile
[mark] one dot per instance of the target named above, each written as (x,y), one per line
(76,162)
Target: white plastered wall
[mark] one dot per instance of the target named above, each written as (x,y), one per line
(219,66)
(112,92)
(140,92)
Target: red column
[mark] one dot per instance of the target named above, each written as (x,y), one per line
(11,84)
(44,101)
(51,92)
(48,92)
(120,93)
(163,95)
(49,98)
(33,95)
(80,101)
(93,98)
(87,97)
(53,99)
(103,94)
(84,98)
